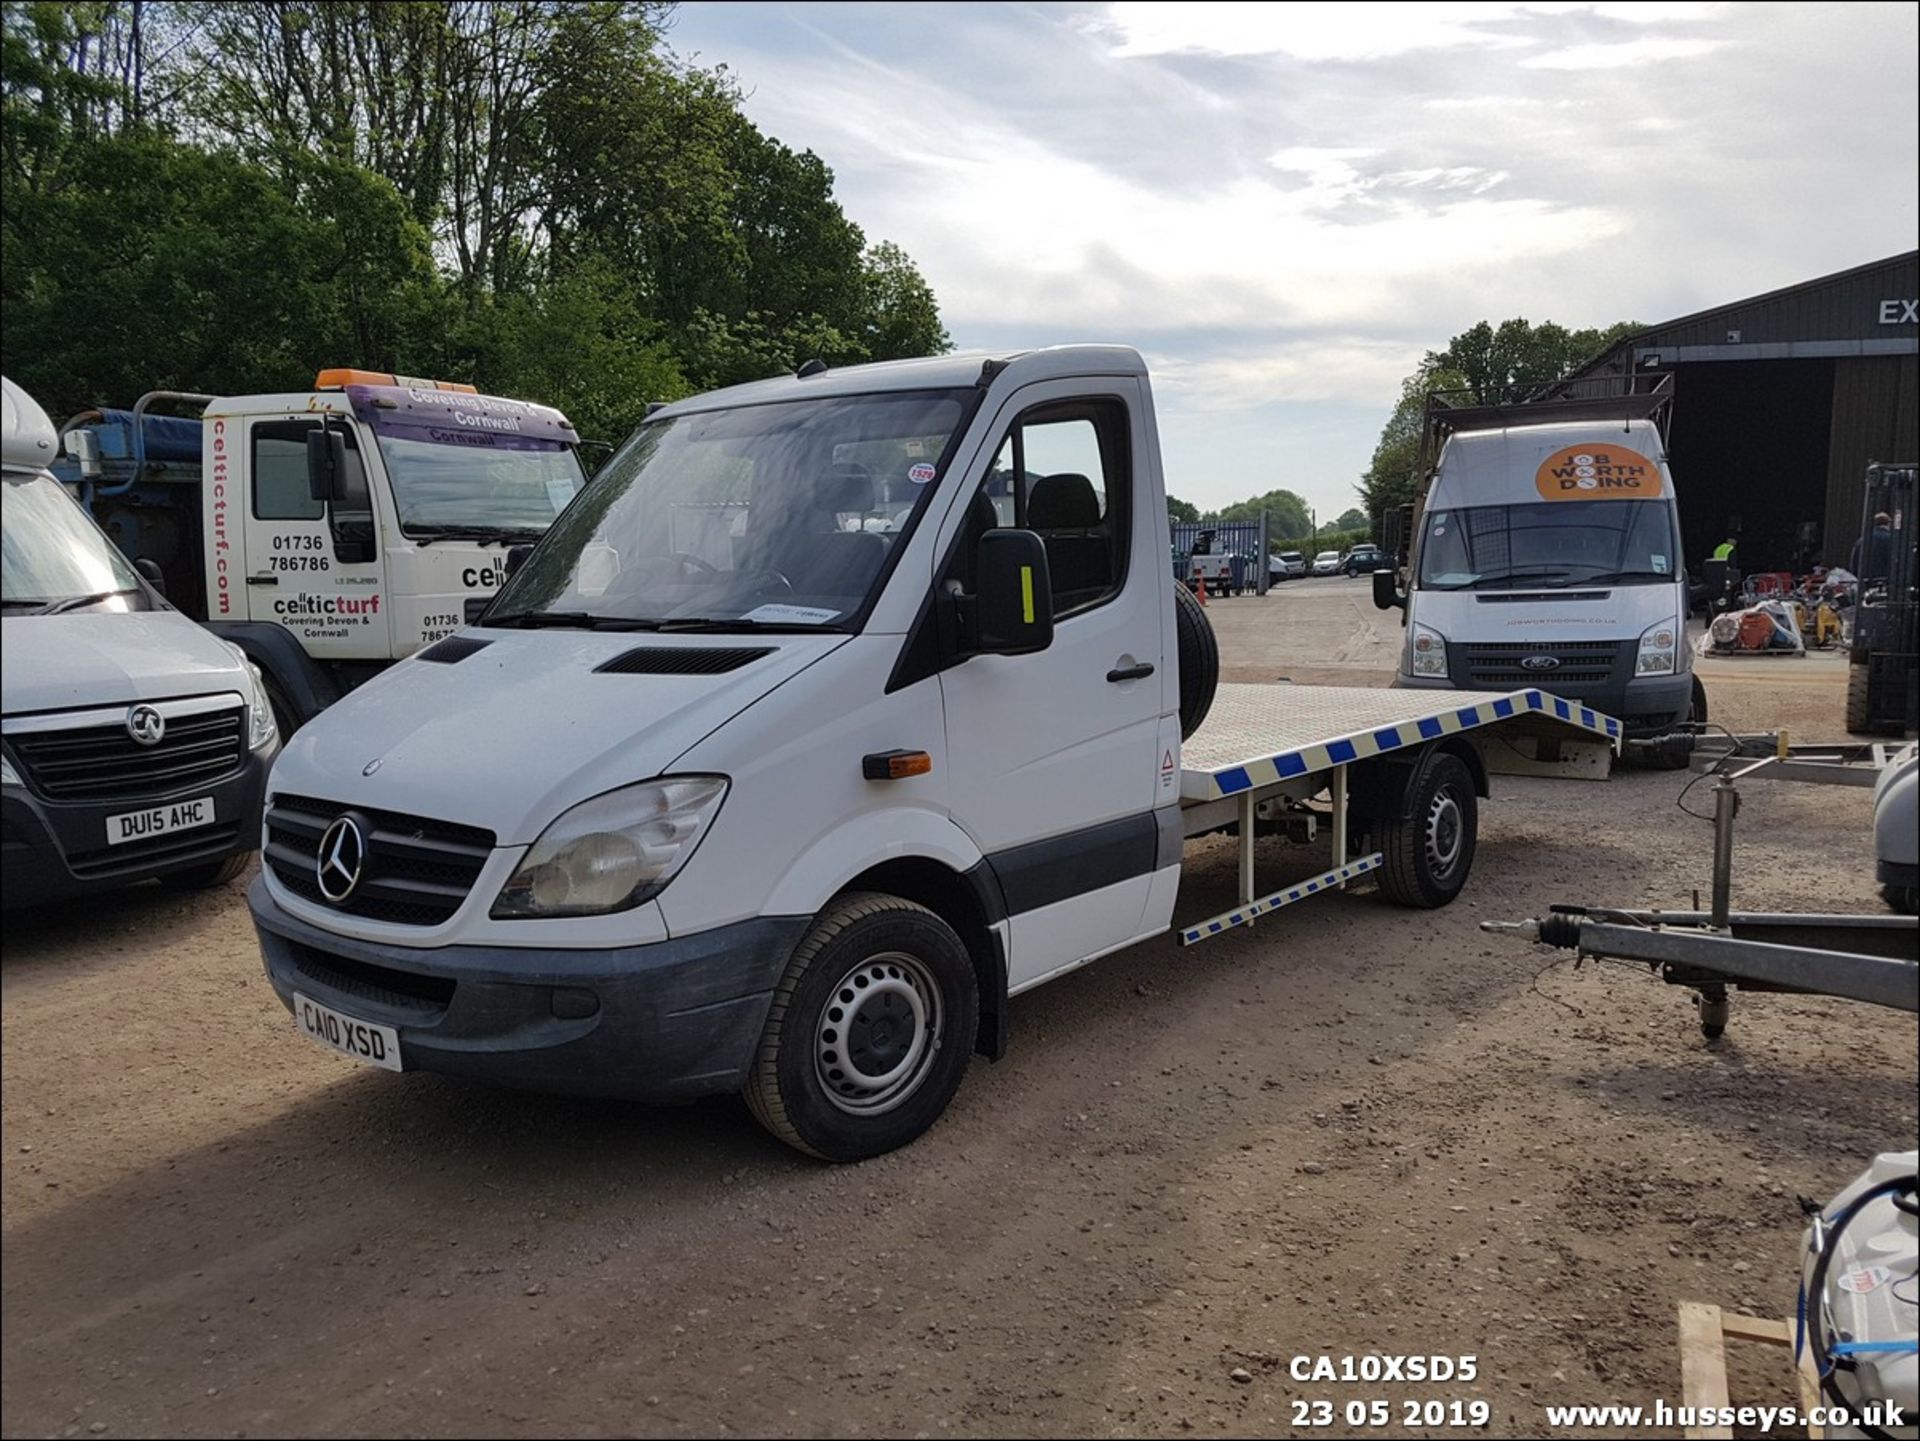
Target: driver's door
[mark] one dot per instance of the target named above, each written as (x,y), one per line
(295,577)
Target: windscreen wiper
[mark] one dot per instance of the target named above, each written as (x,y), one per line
(1520,576)
(426,534)
(565,619)
(78,602)
(718,626)
(1616,577)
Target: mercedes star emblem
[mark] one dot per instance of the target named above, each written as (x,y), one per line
(146,725)
(342,856)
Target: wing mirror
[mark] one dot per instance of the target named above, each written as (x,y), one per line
(326,464)
(1013,607)
(1386,590)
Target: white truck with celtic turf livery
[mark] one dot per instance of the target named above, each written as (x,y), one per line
(838,710)
(329,532)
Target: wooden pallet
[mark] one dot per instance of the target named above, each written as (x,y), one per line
(1704,1332)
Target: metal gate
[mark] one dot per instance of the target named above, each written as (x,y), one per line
(1241,544)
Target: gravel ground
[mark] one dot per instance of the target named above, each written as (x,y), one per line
(1349,1129)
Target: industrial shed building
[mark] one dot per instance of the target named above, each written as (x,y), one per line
(1779,404)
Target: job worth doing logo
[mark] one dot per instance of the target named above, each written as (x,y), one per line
(1597,472)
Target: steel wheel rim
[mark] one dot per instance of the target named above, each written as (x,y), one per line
(1445,833)
(878,1034)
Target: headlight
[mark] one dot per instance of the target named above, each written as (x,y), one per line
(8,775)
(614,851)
(1428,649)
(1659,648)
(259,708)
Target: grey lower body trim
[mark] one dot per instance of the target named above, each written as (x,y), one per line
(669,1021)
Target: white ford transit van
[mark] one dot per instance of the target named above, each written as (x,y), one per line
(1549,555)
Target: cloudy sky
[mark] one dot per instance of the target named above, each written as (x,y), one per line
(1283,206)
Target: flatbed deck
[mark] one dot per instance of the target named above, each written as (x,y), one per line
(1258,735)
(1275,742)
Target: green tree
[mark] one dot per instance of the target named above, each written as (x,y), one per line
(1287,512)
(1486,362)
(1354,519)
(1181,510)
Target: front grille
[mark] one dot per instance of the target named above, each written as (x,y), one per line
(423,996)
(416,872)
(104,763)
(203,843)
(1497,665)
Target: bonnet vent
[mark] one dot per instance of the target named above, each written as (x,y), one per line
(453,648)
(681,660)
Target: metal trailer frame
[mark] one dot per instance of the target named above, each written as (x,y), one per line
(1756,950)
(1267,749)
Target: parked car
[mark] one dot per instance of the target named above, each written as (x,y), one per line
(1366,558)
(1328,562)
(1287,565)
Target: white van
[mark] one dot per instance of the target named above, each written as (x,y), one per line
(1549,555)
(134,744)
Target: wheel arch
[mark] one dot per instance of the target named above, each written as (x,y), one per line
(282,660)
(970,902)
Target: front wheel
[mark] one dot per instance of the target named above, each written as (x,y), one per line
(1429,853)
(205,878)
(870,1031)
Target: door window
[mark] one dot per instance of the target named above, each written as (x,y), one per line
(280,470)
(1063,472)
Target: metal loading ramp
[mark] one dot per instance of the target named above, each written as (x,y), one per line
(1259,735)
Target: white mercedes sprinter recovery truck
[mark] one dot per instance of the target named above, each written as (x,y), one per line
(1547,552)
(836,710)
(133,744)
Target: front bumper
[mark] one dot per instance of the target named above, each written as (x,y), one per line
(1644,705)
(54,850)
(669,1021)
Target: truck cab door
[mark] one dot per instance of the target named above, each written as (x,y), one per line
(1053,756)
(311,567)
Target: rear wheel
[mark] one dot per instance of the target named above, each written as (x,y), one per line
(1430,852)
(870,1030)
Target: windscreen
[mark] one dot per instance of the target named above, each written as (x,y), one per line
(780,515)
(445,487)
(50,551)
(1555,543)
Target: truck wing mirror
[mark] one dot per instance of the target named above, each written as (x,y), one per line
(150,572)
(1386,589)
(1013,608)
(326,464)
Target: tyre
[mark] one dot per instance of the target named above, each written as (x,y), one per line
(1199,661)
(1677,752)
(1859,708)
(205,878)
(1429,854)
(286,718)
(870,1031)
(1903,899)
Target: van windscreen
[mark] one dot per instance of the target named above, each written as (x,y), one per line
(1555,543)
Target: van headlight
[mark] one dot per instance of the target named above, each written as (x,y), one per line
(614,851)
(1427,651)
(1659,648)
(260,726)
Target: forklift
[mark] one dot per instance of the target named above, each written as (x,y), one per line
(1883,657)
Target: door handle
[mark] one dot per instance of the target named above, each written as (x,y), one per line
(1131,672)
(263,580)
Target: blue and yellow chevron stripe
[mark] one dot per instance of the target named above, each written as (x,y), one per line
(1297,892)
(1328,754)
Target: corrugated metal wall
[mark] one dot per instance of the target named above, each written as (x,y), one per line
(1876,416)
